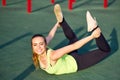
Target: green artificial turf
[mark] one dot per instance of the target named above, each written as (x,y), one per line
(17,28)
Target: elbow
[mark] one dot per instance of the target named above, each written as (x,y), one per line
(108,49)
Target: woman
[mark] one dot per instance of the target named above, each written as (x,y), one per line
(66,59)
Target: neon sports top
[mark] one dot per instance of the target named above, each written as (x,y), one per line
(64,65)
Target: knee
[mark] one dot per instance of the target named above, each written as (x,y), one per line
(108,49)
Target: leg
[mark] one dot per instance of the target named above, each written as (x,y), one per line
(70,35)
(102,44)
(93,57)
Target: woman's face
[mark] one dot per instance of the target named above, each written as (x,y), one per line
(38,45)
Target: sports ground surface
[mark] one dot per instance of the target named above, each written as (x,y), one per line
(17,28)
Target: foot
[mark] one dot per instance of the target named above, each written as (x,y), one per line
(91,22)
(58,13)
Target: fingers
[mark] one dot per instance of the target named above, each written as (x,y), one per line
(58,24)
(96,33)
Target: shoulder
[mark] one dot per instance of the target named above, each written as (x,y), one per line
(49,50)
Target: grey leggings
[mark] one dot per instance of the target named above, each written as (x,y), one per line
(90,58)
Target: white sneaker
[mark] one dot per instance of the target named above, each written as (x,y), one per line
(58,13)
(91,22)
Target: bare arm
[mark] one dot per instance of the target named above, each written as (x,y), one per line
(67,49)
(56,54)
(52,33)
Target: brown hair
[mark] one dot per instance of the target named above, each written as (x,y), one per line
(35,56)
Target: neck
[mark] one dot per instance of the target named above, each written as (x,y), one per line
(43,54)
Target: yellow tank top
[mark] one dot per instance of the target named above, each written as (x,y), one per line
(64,65)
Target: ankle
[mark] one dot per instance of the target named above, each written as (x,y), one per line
(95,28)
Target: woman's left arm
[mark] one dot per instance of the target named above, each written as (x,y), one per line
(56,54)
(52,33)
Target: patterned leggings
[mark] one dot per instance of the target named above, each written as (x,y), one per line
(90,58)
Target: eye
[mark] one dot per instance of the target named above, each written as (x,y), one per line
(34,44)
(42,43)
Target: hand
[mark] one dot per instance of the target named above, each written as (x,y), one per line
(58,24)
(96,33)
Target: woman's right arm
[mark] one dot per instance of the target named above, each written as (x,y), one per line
(52,33)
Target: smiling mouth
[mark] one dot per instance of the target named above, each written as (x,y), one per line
(39,51)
